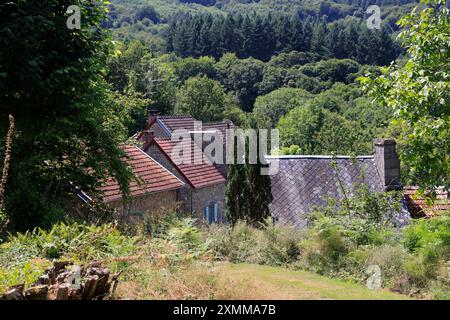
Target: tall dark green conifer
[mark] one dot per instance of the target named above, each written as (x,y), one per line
(248,193)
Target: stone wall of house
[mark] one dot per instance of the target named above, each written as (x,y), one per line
(192,200)
(184,194)
(159,202)
(202,197)
(159,131)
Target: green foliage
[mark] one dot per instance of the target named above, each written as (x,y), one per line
(52,82)
(75,241)
(242,243)
(319,131)
(25,256)
(418,92)
(248,193)
(425,234)
(291,150)
(184,234)
(26,274)
(299,127)
(270,108)
(262,36)
(341,136)
(241,76)
(190,67)
(334,70)
(201,98)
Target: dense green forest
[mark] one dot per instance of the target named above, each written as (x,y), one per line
(276,63)
(292,65)
(149,20)
(70,99)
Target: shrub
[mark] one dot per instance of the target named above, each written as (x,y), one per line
(241,243)
(25,256)
(185,235)
(425,234)
(429,241)
(282,245)
(326,246)
(391,260)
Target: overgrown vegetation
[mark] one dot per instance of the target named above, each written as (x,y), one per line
(181,259)
(24,257)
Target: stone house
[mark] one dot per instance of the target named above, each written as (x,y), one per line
(203,192)
(305,182)
(157,189)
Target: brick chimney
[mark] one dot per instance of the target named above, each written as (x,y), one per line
(388,163)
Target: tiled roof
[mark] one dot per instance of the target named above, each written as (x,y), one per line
(198,173)
(172,123)
(303,183)
(154,177)
(177,122)
(418,206)
(187,123)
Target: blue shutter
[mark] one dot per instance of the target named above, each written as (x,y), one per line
(216,213)
(208,215)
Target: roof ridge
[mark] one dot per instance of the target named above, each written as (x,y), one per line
(176,116)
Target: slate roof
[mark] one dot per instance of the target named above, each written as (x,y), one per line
(155,178)
(305,182)
(198,175)
(418,206)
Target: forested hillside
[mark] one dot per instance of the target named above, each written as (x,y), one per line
(149,19)
(286,64)
(72,194)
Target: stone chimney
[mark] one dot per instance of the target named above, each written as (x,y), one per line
(152,115)
(147,138)
(388,163)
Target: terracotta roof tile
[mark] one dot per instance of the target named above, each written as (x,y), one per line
(419,207)
(200,171)
(154,177)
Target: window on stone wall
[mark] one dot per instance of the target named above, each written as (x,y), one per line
(212,213)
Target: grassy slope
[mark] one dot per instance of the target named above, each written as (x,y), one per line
(279,283)
(226,281)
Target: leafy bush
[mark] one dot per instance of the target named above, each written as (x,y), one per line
(429,241)
(282,246)
(26,274)
(25,256)
(391,260)
(423,234)
(242,243)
